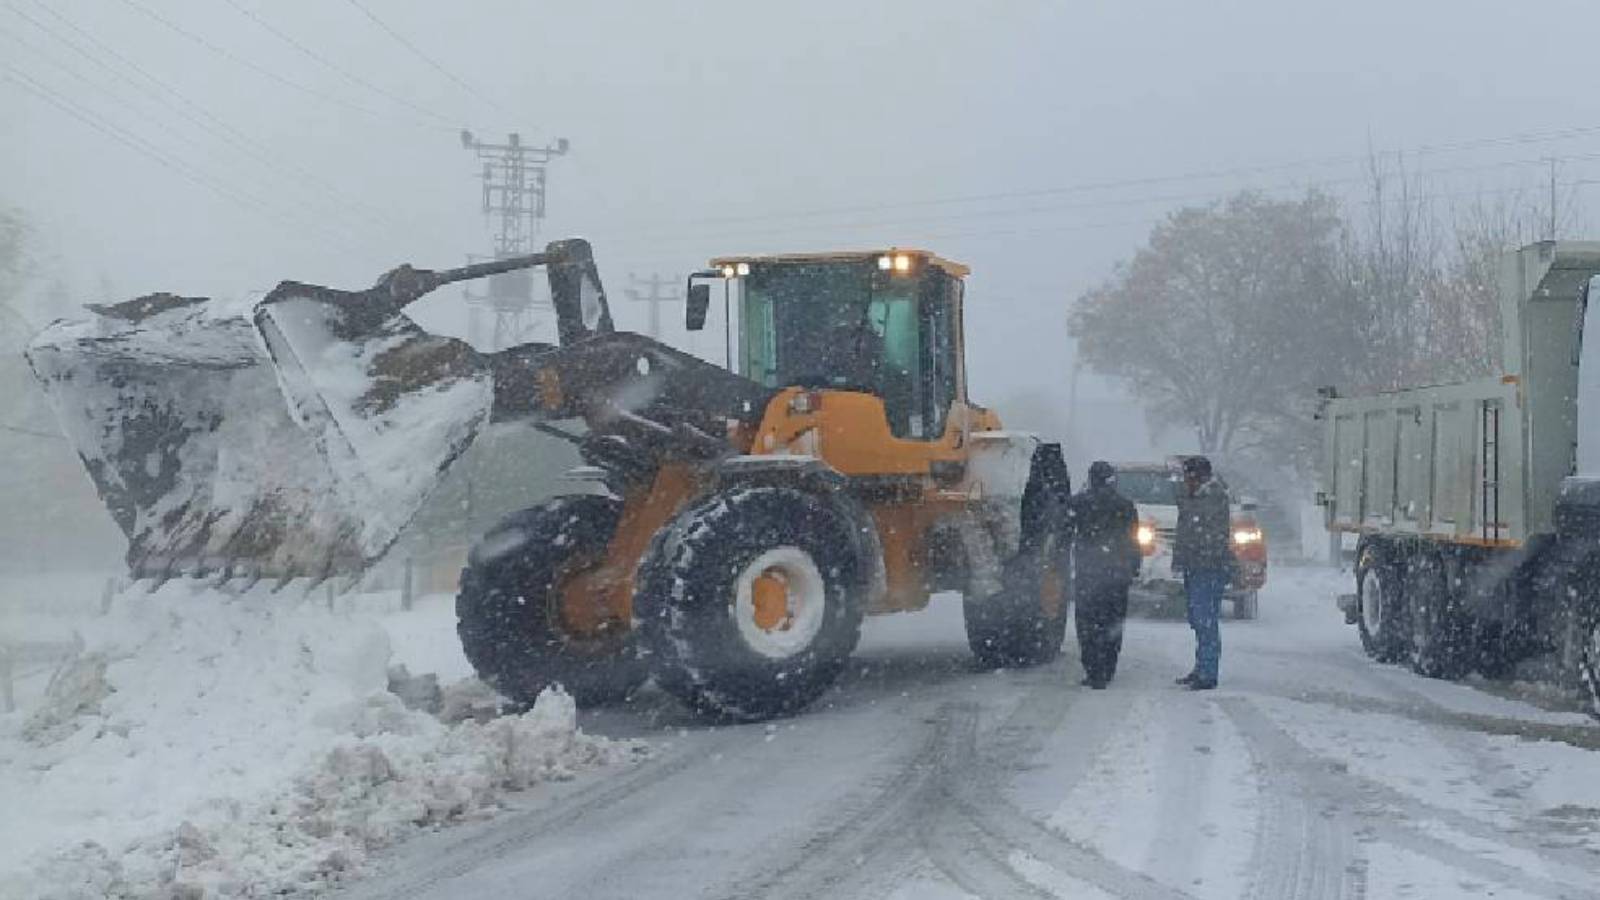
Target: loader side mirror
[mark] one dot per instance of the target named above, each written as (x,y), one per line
(694,311)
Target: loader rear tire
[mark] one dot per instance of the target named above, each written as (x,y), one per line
(508,611)
(1026,622)
(750,603)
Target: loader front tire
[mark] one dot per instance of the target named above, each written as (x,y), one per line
(750,603)
(1026,622)
(509,609)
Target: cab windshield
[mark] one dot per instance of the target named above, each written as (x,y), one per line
(846,326)
(1148,486)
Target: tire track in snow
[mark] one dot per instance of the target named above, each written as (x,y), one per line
(860,852)
(956,844)
(948,799)
(474,847)
(1457,735)
(1325,802)
(979,797)
(865,842)
(1419,708)
(1305,846)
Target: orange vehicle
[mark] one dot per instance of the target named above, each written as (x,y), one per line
(744,521)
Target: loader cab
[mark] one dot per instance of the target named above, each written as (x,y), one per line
(887,323)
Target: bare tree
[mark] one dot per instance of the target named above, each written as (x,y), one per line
(1229,313)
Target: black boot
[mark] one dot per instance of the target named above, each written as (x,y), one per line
(1190,678)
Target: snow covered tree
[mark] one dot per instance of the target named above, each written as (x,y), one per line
(1228,319)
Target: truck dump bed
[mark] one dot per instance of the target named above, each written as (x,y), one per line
(1479,462)
(1439,462)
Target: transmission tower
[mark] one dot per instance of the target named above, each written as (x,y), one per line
(513,189)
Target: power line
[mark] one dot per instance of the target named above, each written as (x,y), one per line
(678,232)
(31,433)
(323,189)
(1151,180)
(139,145)
(330,64)
(404,42)
(190,111)
(1103,225)
(265,72)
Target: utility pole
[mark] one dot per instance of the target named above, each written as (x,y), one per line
(514,189)
(1552,198)
(661,291)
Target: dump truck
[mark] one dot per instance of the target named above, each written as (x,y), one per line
(741,522)
(1476,505)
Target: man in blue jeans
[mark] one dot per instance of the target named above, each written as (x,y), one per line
(1202,552)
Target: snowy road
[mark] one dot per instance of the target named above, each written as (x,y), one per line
(1312,773)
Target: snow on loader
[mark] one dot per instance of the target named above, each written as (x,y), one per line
(749,520)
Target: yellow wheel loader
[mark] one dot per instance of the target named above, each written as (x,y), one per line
(743,520)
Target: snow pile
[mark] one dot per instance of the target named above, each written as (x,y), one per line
(213,747)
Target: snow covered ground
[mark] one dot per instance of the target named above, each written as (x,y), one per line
(205,745)
(1311,773)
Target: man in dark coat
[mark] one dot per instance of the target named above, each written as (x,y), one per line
(1202,553)
(1105,559)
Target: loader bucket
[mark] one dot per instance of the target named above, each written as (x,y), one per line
(295,451)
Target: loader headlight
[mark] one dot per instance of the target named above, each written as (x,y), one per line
(730,271)
(898,262)
(1247,536)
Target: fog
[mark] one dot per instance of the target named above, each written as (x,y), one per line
(1035,141)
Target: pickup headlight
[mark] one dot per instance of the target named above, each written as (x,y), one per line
(1247,535)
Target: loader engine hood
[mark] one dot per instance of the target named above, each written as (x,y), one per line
(228,451)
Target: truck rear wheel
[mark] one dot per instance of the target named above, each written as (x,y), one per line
(751,602)
(509,614)
(1026,622)
(1589,660)
(1381,609)
(1441,639)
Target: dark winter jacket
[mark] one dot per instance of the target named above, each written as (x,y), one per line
(1205,521)
(1101,524)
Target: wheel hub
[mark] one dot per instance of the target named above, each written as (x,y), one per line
(780,602)
(769,594)
(1371,602)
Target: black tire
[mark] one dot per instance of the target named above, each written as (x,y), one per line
(1025,623)
(1246,606)
(508,611)
(1381,615)
(1589,657)
(698,579)
(1442,641)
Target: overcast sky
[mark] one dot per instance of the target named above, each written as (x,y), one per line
(984,131)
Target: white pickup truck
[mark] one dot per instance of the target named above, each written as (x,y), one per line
(1153,488)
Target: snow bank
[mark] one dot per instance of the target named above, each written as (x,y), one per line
(211,746)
